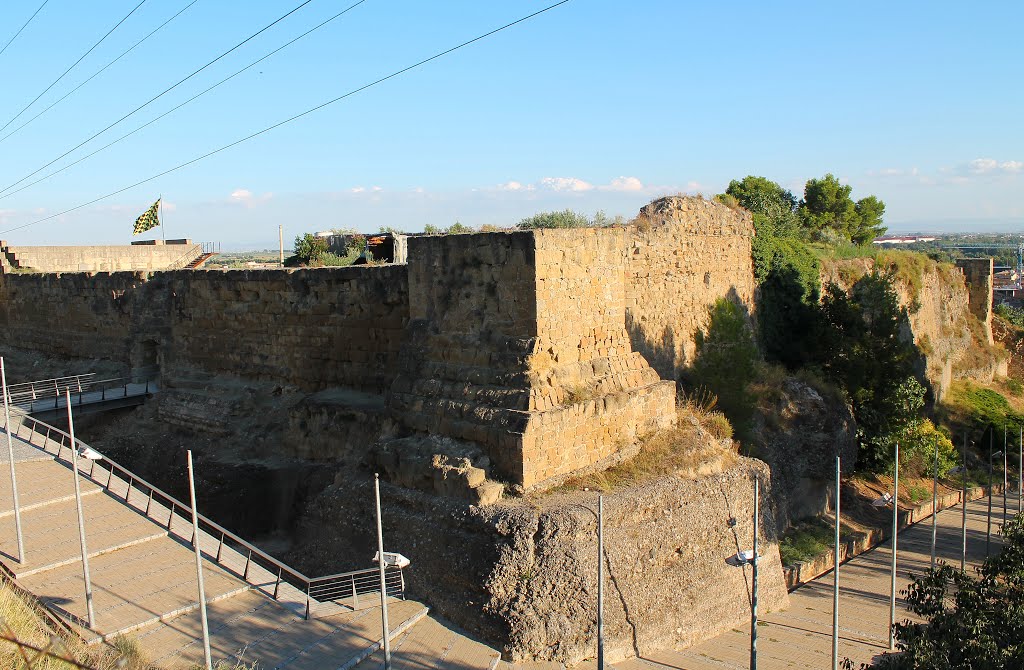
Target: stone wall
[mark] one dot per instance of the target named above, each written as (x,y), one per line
(683,254)
(522,574)
(307,328)
(113,258)
(517,342)
(979,273)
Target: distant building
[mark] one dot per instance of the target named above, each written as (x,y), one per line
(903,239)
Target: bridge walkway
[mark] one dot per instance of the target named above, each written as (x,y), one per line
(142,570)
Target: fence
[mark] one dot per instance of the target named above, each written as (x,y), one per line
(241,558)
(28,395)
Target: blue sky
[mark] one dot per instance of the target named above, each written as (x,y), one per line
(593,105)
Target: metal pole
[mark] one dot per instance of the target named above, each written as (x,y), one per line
(935,498)
(835,581)
(1005,482)
(10,455)
(895,531)
(1020,473)
(753,591)
(963,509)
(988,528)
(81,517)
(600,582)
(383,584)
(199,564)
(280,244)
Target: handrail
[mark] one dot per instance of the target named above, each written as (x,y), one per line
(194,252)
(79,386)
(336,586)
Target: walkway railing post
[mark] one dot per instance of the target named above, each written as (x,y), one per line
(81,518)
(1020,473)
(383,584)
(1005,482)
(895,537)
(199,564)
(835,577)
(935,499)
(753,590)
(600,582)
(10,455)
(963,508)
(988,527)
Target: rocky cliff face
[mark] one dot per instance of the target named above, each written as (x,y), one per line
(954,343)
(523,573)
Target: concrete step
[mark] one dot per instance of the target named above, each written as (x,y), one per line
(251,629)
(40,482)
(132,587)
(108,526)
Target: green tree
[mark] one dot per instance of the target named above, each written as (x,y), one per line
(763,196)
(309,249)
(971,622)
(863,350)
(457,228)
(827,209)
(726,360)
(563,219)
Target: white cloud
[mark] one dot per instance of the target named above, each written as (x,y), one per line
(565,184)
(241,195)
(1012,166)
(982,165)
(511,186)
(356,189)
(376,189)
(625,184)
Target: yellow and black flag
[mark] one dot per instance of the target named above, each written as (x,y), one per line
(149,219)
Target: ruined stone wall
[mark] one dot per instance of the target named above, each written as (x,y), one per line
(307,328)
(682,255)
(979,273)
(77,315)
(517,342)
(112,258)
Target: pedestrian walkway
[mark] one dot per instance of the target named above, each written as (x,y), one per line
(801,636)
(143,573)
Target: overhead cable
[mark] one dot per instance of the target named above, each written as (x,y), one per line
(300,115)
(82,57)
(98,72)
(23,26)
(174,109)
(156,97)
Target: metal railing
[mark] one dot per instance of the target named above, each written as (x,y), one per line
(315,592)
(27,394)
(194,252)
(211,247)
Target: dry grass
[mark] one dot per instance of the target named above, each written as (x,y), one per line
(692,448)
(39,647)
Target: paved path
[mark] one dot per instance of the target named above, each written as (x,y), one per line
(143,577)
(801,636)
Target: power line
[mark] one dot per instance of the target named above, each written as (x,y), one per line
(73,65)
(164,92)
(174,109)
(290,119)
(23,27)
(98,72)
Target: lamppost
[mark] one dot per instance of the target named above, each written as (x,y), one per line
(744,557)
(95,456)
(599,518)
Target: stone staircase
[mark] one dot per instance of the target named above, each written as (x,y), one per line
(142,570)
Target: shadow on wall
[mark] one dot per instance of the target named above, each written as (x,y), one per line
(660,354)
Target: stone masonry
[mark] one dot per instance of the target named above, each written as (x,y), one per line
(534,345)
(979,273)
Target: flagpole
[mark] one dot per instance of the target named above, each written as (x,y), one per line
(163,231)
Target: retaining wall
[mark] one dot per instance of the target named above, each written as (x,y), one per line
(112,258)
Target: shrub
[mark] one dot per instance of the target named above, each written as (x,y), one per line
(458,228)
(725,362)
(309,248)
(563,219)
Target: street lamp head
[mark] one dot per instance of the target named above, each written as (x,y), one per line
(885,500)
(741,558)
(90,453)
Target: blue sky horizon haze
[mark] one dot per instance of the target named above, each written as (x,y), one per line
(593,105)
